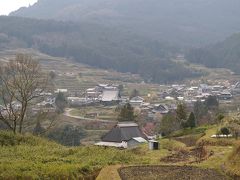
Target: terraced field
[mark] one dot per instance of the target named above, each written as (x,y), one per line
(169,173)
(72,75)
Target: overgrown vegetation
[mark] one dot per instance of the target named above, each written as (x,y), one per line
(233,164)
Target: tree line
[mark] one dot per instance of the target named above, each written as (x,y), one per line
(202,113)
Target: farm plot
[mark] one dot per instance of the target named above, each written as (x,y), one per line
(169,173)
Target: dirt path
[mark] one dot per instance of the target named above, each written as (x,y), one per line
(68,110)
(109,173)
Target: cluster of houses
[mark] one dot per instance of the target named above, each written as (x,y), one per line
(168,96)
(5,110)
(102,93)
(110,95)
(191,94)
(129,135)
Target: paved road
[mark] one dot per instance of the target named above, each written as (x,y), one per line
(67,113)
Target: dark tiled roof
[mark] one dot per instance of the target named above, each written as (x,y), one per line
(160,108)
(123,133)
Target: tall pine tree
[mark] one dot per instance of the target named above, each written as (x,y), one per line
(181,114)
(191,120)
(127,113)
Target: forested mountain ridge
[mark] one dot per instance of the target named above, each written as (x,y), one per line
(225,54)
(185,22)
(95,45)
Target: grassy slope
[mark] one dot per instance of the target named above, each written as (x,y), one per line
(29,156)
(233,163)
(223,156)
(216,141)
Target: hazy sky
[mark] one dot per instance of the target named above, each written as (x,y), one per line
(7,6)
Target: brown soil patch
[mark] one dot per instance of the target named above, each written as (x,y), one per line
(178,156)
(195,154)
(169,173)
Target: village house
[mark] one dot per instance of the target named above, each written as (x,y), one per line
(110,97)
(136,101)
(236,88)
(225,95)
(123,135)
(160,108)
(61,91)
(124,100)
(77,101)
(93,93)
(48,102)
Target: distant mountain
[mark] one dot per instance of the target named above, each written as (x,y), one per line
(225,54)
(95,45)
(182,22)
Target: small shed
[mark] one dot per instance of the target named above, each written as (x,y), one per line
(153,145)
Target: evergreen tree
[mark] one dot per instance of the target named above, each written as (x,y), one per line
(199,109)
(60,102)
(168,124)
(121,88)
(181,114)
(127,113)
(211,102)
(134,93)
(52,75)
(191,120)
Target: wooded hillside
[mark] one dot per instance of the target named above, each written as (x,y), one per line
(225,54)
(95,45)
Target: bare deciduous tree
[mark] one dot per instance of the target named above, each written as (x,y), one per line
(21,81)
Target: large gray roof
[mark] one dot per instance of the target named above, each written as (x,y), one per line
(123,132)
(110,95)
